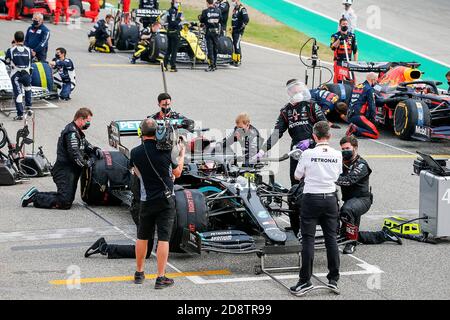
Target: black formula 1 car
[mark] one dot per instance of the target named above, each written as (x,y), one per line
(415,108)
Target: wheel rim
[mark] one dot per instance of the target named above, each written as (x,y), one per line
(400,119)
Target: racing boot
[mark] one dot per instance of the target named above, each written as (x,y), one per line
(350,248)
(210,68)
(391,236)
(28,197)
(99,246)
(352,128)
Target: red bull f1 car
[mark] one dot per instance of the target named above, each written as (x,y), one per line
(414,108)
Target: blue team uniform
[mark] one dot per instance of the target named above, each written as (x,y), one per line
(37,40)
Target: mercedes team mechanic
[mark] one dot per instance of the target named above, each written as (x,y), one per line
(19,58)
(224,7)
(65,69)
(211,18)
(362,110)
(320,168)
(174,18)
(74,153)
(149,5)
(37,37)
(345,47)
(100,36)
(357,197)
(247,136)
(298,118)
(239,20)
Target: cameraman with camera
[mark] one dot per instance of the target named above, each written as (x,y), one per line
(156,172)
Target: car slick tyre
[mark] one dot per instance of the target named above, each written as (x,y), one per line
(407,115)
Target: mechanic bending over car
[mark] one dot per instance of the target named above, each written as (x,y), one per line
(174,18)
(37,37)
(100,36)
(18,57)
(150,5)
(362,110)
(239,20)
(211,18)
(247,136)
(156,172)
(65,69)
(143,47)
(343,91)
(74,153)
(298,118)
(344,45)
(357,197)
(224,7)
(330,105)
(320,168)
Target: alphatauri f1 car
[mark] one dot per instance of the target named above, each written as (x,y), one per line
(413,107)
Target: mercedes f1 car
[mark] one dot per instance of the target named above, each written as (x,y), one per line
(413,107)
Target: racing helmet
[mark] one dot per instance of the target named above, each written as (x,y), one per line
(349,2)
(297,91)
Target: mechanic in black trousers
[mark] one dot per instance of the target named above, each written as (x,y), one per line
(224,7)
(174,18)
(357,197)
(320,167)
(19,58)
(211,18)
(298,118)
(239,21)
(74,153)
(149,5)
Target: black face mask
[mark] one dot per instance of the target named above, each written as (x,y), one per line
(344,28)
(347,155)
(57,56)
(166,111)
(86,125)
(448,83)
(35,23)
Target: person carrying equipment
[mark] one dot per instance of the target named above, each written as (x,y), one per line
(100,36)
(211,18)
(19,58)
(362,110)
(74,153)
(174,18)
(239,20)
(357,197)
(345,48)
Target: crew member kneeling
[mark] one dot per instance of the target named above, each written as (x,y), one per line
(362,110)
(156,172)
(354,183)
(320,167)
(100,36)
(74,153)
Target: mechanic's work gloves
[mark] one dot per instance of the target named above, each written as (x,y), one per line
(303,145)
(99,153)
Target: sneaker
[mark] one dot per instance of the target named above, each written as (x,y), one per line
(391,236)
(90,48)
(99,246)
(209,69)
(332,284)
(139,277)
(133,60)
(28,197)
(112,50)
(173,69)
(18,118)
(351,129)
(163,282)
(349,248)
(301,288)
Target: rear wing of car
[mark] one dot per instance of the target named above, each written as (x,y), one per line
(365,66)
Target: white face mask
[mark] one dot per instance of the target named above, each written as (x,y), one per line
(296,98)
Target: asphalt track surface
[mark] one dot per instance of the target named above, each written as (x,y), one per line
(406,23)
(40,247)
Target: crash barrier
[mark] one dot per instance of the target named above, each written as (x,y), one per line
(374,48)
(107,173)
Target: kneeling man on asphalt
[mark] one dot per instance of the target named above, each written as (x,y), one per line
(156,172)
(320,167)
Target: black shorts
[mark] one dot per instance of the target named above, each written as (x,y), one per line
(159,212)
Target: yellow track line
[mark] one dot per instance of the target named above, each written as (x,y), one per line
(147,276)
(401,156)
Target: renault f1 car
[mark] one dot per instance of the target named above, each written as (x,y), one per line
(413,107)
